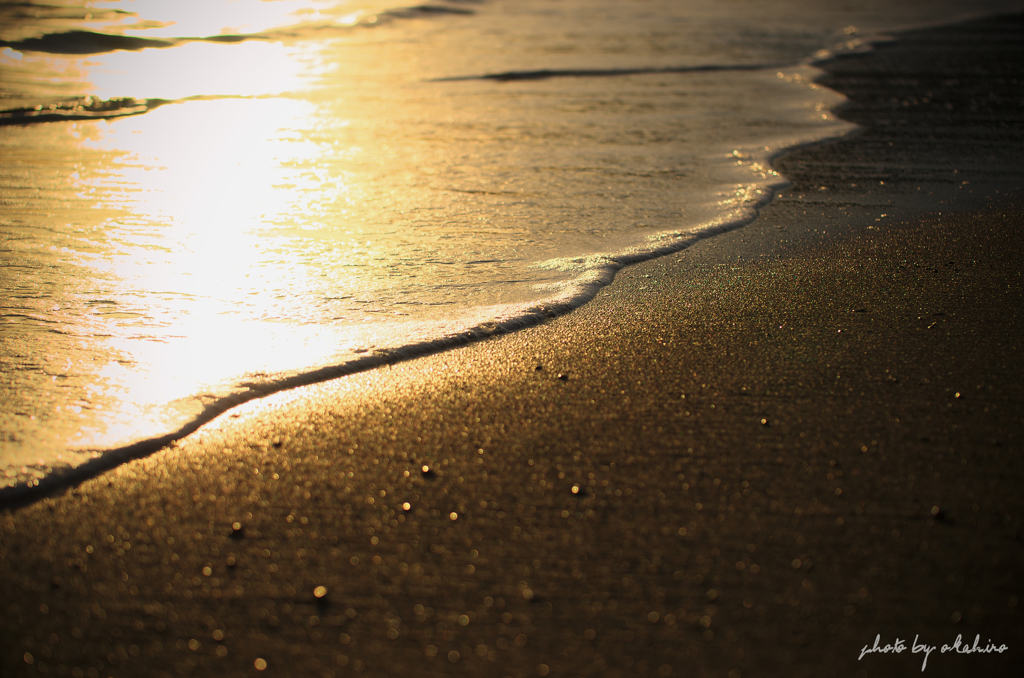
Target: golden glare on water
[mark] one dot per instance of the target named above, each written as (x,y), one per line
(194,18)
(210,173)
(185,224)
(197,69)
(198,283)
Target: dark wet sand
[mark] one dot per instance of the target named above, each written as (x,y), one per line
(783,441)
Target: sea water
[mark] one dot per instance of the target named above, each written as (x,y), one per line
(206,201)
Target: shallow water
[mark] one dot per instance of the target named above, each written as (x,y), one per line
(206,201)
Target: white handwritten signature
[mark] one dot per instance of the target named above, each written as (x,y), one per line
(958,646)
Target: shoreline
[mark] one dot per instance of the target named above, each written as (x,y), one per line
(818,407)
(49,478)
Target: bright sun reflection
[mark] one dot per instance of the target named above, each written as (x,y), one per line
(199,69)
(191,219)
(203,181)
(211,171)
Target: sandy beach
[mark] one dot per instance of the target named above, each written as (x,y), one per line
(750,458)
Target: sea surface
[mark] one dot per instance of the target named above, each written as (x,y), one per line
(205,201)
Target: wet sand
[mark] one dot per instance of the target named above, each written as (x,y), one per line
(745,459)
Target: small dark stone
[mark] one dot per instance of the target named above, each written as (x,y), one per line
(427,472)
(237,531)
(539,368)
(579,490)
(562,376)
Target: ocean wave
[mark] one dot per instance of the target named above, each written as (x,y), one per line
(85,42)
(82,42)
(81,108)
